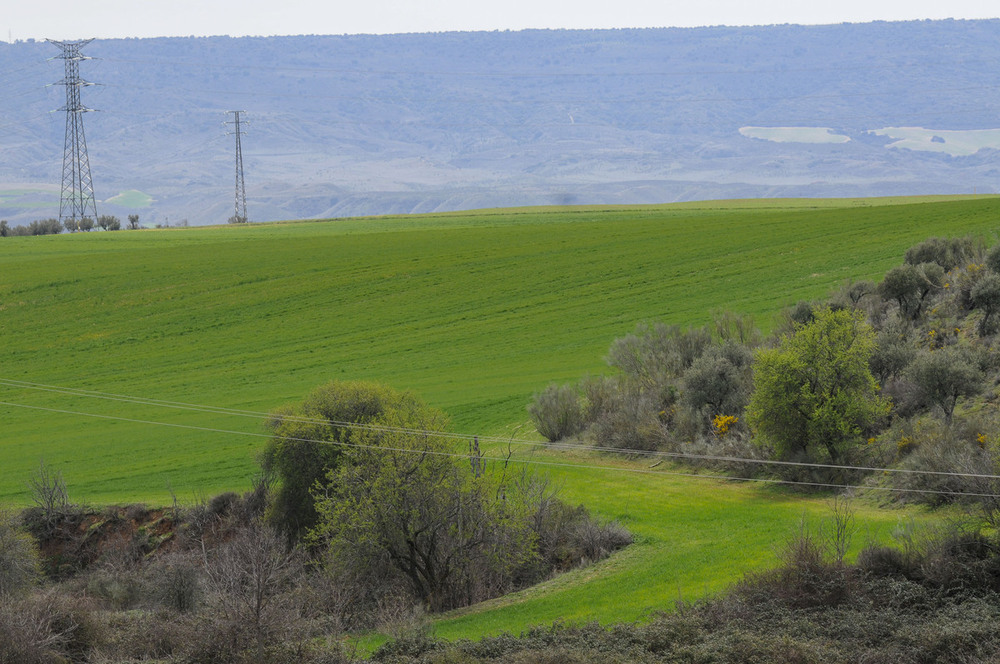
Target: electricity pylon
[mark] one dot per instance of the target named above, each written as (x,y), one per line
(241,192)
(77,198)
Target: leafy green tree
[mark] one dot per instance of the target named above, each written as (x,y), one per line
(944,376)
(816,391)
(309,439)
(4,228)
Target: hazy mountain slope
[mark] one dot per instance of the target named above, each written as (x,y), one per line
(345,125)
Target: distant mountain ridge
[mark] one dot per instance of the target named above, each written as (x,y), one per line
(352,125)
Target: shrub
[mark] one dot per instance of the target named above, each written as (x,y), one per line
(631,421)
(948,253)
(47,627)
(717,383)
(19,561)
(557,413)
(121,589)
(656,355)
(177,582)
(569,535)
(597,540)
(883,561)
(805,579)
(955,454)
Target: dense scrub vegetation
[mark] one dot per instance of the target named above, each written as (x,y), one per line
(898,375)
(374,520)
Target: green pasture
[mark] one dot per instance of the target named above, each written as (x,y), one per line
(473,311)
(694,537)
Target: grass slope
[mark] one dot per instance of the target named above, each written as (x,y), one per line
(474,311)
(694,537)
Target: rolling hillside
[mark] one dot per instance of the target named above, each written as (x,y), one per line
(139,364)
(473,311)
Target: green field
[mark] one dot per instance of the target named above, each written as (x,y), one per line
(694,537)
(473,311)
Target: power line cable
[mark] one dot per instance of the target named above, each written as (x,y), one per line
(469,437)
(510,459)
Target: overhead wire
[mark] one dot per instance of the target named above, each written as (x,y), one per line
(510,458)
(13,383)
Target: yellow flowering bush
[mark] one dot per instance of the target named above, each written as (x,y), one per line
(722,423)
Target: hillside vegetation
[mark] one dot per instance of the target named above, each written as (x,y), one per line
(160,352)
(474,312)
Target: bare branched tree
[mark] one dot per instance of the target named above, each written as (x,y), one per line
(48,492)
(246,575)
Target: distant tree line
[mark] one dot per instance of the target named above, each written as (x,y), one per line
(54,227)
(902,373)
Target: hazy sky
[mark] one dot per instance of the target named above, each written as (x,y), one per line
(75,19)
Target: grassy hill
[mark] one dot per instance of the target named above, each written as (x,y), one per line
(473,311)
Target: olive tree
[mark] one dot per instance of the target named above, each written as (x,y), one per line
(945,375)
(985,295)
(109,222)
(949,253)
(717,382)
(909,285)
(815,391)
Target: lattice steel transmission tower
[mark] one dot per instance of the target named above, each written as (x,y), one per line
(241,192)
(77,198)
